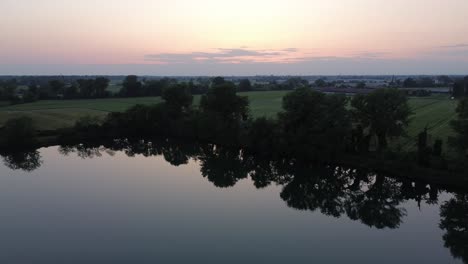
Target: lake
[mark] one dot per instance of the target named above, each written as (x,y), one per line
(130,205)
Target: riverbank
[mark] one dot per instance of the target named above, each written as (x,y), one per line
(449,180)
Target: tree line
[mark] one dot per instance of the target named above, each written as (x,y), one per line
(312,125)
(41,88)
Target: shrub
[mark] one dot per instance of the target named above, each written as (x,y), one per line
(19,132)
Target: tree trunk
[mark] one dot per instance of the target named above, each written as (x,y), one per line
(382,138)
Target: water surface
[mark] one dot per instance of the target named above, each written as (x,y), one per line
(107,206)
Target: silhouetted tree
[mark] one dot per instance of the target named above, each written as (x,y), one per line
(178,98)
(460,88)
(378,205)
(314,189)
(361,85)
(8,89)
(56,87)
(222,166)
(444,80)
(222,100)
(217,81)
(315,125)
(245,85)
(19,132)
(72,91)
(460,126)
(100,86)
(320,83)
(410,83)
(454,221)
(384,112)
(131,86)
(19,160)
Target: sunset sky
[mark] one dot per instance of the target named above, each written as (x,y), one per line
(242,37)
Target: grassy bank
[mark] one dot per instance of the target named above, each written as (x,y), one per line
(435,112)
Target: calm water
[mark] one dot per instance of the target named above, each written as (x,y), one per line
(108,207)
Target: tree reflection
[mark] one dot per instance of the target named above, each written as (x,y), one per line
(315,189)
(262,172)
(454,220)
(377,204)
(222,166)
(27,161)
(338,191)
(359,194)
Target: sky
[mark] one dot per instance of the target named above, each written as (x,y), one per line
(241,37)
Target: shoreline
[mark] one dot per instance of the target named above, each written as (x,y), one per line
(392,168)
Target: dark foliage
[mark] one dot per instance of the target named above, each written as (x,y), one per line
(132,87)
(383,113)
(19,133)
(314,124)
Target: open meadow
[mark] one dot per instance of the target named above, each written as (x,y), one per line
(435,112)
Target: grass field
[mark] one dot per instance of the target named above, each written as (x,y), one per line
(53,114)
(433,112)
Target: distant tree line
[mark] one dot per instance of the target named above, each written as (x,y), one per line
(30,89)
(460,88)
(312,126)
(426,82)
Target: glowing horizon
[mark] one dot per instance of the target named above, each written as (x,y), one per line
(183,37)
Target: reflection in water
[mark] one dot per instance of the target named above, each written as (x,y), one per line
(359,194)
(27,161)
(223,167)
(454,220)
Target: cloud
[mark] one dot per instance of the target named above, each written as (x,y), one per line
(371,54)
(246,55)
(221,55)
(462,45)
(459,51)
(306,66)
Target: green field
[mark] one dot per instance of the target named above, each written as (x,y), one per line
(433,112)
(53,114)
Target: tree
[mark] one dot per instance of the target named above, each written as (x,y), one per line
(314,125)
(222,166)
(460,126)
(32,94)
(454,220)
(86,88)
(100,86)
(426,82)
(245,85)
(221,115)
(460,88)
(131,86)
(262,136)
(178,98)
(384,112)
(217,81)
(56,87)
(71,91)
(320,83)
(19,132)
(23,160)
(222,99)
(361,85)
(424,151)
(295,83)
(444,80)
(410,83)
(156,87)
(8,89)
